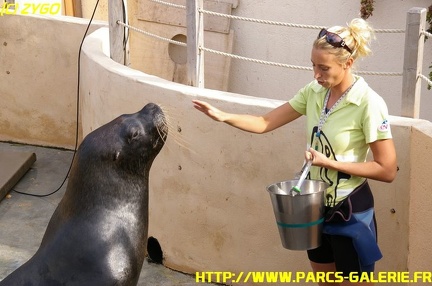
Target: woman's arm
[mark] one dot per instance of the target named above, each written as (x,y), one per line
(255,124)
(383,167)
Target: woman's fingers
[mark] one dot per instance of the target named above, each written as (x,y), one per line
(207,109)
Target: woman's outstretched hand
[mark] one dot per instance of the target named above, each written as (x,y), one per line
(209,110)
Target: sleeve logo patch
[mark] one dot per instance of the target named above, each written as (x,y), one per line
(384,127)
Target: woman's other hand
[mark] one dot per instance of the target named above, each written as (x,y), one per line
(318,158)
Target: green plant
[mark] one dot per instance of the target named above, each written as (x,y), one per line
(429,19)
(366,8)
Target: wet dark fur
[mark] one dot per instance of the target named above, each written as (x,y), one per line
(98,233)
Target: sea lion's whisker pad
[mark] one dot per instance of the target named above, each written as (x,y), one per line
(98,232)
(161,126)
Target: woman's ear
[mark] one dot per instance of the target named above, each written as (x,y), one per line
(349,63)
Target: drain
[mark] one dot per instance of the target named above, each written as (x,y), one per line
(154,250)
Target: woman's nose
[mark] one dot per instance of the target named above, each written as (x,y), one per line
(317,75)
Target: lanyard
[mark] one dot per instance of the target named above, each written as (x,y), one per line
(325,115)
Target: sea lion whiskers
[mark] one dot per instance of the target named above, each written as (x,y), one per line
(162,127)
(174,130)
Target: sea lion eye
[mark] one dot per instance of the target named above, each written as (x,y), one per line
(116,155)
(134,134)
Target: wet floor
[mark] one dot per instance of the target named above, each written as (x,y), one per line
(23,218)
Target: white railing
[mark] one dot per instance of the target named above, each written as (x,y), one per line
(413,57)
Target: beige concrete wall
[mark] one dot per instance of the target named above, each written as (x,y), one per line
(209,207)
(166,60)
(420,211)
(286,45)
(38,82)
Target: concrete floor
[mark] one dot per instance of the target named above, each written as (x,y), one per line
(23,218)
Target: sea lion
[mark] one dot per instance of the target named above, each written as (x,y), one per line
(98,233)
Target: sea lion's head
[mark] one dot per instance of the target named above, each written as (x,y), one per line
(131,141)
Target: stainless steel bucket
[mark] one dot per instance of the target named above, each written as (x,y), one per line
(299,217)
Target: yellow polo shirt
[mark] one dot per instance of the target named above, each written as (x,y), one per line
(359,119)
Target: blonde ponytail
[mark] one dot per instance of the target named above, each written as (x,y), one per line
(361,35)
(357,36)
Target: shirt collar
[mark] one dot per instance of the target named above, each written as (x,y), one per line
(354,95)
(357,91)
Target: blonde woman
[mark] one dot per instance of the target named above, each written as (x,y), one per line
(345,119)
